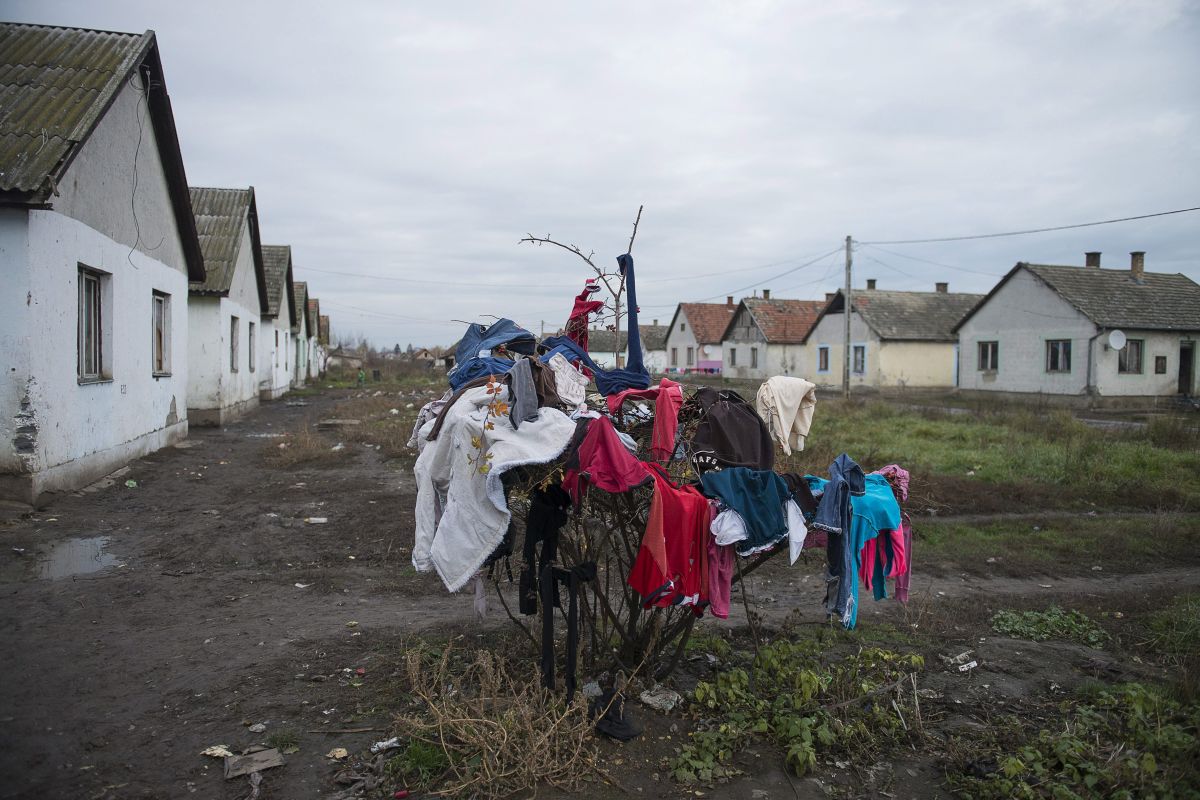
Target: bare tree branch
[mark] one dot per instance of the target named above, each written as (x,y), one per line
(571,248)
(635,224)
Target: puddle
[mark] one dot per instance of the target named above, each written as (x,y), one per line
(75,557)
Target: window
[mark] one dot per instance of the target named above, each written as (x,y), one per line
(674,356)
(276,349)
(753,357)
(860,359)
(691,356)
(733,356)
(1129,357)
(90,349)
(1160,365)
(233,344)
(161,335)
(682,327)
(989,356)
(1058,355)
(250,344)
(823,358)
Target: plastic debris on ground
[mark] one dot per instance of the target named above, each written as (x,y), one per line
(217,751)
(661,698)
(252,760)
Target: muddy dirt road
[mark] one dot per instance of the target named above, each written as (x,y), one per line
(182,602)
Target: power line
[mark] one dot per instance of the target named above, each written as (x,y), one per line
(1033,230)
(421,280)
(928,261)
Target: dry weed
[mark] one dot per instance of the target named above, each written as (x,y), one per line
(502,733)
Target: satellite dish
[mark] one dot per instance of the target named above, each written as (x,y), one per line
(1116,340)
(704,350)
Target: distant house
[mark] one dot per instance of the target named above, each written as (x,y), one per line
(344,359)
(1048,330)
(225,309)
(276,335)
(300,335)
(897,339)
(765,337)
(693,341)
(602,345)
(97,245)
(316,360)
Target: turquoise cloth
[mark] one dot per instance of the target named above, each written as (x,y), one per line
(873,511)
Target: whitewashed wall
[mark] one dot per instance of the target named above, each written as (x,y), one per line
(829,332)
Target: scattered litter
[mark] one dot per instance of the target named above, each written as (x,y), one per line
(18,549)
(400,794)
(338,447)
(1097,568)
(929,694)
(338,753)
(661,698)
(271,514)
(992,560)
(253,760)
(131,484)
(592,689)
(351,624)
(394,411)
(303,585)
(970,665)
(211,512)
(360,672)
(217,751)
(258,727)
(387,744)
(409,406)
(316,520)
(283,445)
(255,783)
(961,658)
(1045,585)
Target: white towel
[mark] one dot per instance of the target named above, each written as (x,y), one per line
(787,405)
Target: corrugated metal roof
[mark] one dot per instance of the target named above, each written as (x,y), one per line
(301,290)
(55,83)
(277,262)
(1112,299)
(221,216)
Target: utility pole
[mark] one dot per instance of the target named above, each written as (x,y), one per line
(846,330)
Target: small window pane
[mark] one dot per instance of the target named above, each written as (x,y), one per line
(860,359)
(1129,358)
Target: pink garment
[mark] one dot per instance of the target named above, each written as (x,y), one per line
(720,572)
(902,578)
(874,549)
(577,324)
(668,397)
(897,478)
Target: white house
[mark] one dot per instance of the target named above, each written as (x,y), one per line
(693,342)
(1048,330)
(602,345)
(276,350)
(316,350)
(97,245)
(300,335)
(897,339)
(225,310)
(765,337)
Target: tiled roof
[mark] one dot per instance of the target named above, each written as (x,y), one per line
(277,263)
(220,219)
(783,321)
(323,329)
(314,314)
(654,337)
(1111,299)
(601,340)
(55,86)
(301,290)
(708,320)
(910,316)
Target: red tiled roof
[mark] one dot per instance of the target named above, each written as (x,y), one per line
(784,321)
(708,320)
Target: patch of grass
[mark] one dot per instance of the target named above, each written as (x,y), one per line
(1176,630)
(1174,431)
(1053,623)
(1004,447)
(1061,545)
(1121,742)
(287,740)
(302,447)
(419,764)
(708,643)
(804,706)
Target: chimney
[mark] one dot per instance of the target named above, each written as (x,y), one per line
(1093,259)
(1137,264)
(729,300)
(870,284)
(941,287)
(829,296)
(766,294)
(656,323)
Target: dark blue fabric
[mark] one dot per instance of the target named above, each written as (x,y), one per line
(612,381)
(758,496)
(478,338)
(835,515)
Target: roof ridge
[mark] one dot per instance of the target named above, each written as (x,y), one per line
(73,28)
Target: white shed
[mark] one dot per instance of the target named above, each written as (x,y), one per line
(97,245)
(276,350)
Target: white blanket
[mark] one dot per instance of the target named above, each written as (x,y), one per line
(461,513)
(787,405)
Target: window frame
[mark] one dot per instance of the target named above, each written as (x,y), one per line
(691,357)
(250,344)
(1123,367)
(1160,365)
(1063,349)
(987,355)
(100,325)
(674,356)
(733,356)
(234,343)
(160,338)
(753,358)
(858,366)
(823,358)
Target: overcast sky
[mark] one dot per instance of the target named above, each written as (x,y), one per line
(419,142)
